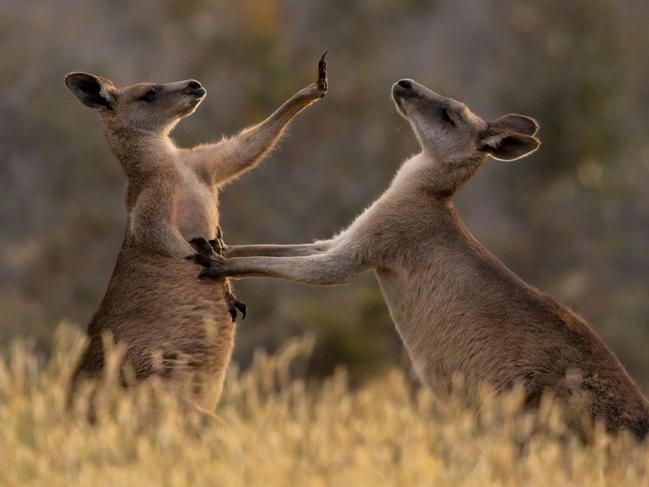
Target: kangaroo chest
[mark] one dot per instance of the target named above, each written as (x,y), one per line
(421,339)
(196,211)
(442,336)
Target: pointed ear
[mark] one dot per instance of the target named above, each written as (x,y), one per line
(513,122)
(508,146)
(92,90)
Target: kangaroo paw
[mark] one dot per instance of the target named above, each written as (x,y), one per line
(233,312)
(323,82)
(201,246)
(218,244)
(241,306)
(235,307)
(205,254)
(212,269)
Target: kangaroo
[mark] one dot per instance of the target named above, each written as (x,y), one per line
(170,324)
(457,308)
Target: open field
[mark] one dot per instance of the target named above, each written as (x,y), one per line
(273,428)
(339,407)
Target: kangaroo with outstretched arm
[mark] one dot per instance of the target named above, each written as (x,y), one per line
(458,309)
(170,324)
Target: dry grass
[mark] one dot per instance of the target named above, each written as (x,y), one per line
(273,430)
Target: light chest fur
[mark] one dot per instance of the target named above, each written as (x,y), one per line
(196,211)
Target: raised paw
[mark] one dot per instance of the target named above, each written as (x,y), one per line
(323,82)
(317,90)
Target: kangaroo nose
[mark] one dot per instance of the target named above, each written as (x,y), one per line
(195,88)
(404,83)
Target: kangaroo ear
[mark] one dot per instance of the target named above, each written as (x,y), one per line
(513,122)
(91,90)
(508,146)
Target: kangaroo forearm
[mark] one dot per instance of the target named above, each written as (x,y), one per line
(224,160)
(276,250)
(316,270)
(218,163)
(252,144)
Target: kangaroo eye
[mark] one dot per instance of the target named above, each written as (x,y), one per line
(149,96)
(446,116)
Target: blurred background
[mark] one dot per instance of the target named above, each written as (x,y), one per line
(573,219)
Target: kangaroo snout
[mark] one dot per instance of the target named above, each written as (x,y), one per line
(405,84)
(409,89)
(404,88)
(195,88)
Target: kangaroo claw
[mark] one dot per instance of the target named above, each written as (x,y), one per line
(241,307)
(201,246)
(235,307)
(217,246)
(233,312)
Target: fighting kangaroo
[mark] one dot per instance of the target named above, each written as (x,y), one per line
(458,310)
(171,324)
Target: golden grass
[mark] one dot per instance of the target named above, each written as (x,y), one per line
(274,430)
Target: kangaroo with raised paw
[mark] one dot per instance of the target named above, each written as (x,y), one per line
(171,324)
(458,309)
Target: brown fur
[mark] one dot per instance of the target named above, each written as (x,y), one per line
(457,308)
(171,324)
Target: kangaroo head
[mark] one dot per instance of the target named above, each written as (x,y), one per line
(456,137)
(143,107)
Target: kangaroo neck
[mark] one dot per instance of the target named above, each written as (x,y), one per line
(140,153)
(440,178)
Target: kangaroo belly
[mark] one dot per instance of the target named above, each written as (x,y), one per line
(449,331)
(171,324)
(195,207)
